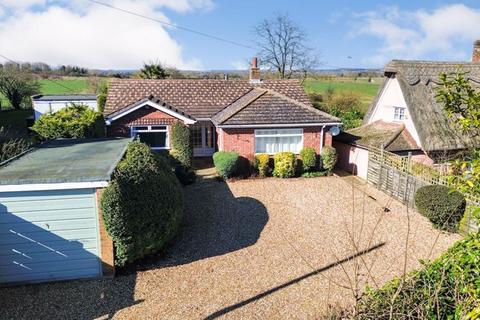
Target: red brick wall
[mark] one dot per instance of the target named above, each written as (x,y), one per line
(238,140)
(143,116)
(243,140)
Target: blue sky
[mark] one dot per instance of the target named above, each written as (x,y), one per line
(370,32)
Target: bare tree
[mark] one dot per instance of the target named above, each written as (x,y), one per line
(283,46)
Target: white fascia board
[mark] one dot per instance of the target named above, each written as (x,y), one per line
(53,186)
(289,125)
(154,105)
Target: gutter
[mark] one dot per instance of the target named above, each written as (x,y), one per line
(287,125)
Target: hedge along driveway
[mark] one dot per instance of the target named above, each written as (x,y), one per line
(266,248)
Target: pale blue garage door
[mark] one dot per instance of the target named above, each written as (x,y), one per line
(48,235)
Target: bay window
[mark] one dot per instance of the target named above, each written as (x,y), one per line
(154,136)
(278,140)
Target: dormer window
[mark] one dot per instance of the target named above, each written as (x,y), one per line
(399,113)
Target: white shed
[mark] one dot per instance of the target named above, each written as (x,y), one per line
(52,103)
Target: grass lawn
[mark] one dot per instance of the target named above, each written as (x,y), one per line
(67,85)
(366,90)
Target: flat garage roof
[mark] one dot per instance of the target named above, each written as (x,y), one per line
(65,161)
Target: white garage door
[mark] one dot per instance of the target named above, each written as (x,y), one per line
(48,235)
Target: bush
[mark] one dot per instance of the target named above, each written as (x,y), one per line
(343,101)
(443,206)
(11,147)
(225,163)
(315,174)
(102,92)
(73,121)
(329,158)
(284,164)
(309,158)
(262,164)
(181,144)
(143,205)
(446,288)
(245,166)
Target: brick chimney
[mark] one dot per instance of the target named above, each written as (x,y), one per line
(254,72)
(476,51)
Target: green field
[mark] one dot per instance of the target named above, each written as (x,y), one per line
(366,90)
(58,86)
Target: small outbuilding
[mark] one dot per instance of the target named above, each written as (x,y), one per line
(43,103)
(51,226)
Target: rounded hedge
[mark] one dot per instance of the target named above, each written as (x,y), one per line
(309,158)
(143,205)
(284,164)
(181,144)
(225,163)
(443,206)
(262,164)
(329,158)
(73,121)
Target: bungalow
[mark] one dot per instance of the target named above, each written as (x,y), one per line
(406,118)
(246,116)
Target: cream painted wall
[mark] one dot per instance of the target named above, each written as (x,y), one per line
(390,98)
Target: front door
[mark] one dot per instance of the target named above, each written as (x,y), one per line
(203,139)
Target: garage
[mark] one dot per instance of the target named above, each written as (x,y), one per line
(50,222)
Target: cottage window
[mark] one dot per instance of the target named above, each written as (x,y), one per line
(154,136)
(399,113)
(278,140)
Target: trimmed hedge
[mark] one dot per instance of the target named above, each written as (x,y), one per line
(447,288)
(443,206)
(226,163)
(329,158)
(284,164)
(143,205)
(181,144)
(262,164)
(73,121)
(309,158)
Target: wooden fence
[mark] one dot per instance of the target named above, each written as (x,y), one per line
(400,177)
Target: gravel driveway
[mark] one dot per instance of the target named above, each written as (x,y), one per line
(254,249)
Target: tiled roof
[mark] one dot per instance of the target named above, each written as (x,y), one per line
(199,98)
(270,107)
(391,136)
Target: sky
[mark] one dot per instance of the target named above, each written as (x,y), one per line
(347,34)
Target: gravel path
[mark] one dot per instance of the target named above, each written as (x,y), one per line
(254,249)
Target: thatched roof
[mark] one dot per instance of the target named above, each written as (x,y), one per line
(419,81)
(393,137)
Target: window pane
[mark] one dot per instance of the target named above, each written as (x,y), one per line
(154,139)
(196,136)
(140,128)
(278,144)
(159,128)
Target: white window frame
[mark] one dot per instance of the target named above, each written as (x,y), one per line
(399,113)
(134,131)
(257,133)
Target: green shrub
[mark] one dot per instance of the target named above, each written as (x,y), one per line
(181,144)
(142,206)
(11,146)
(73,121)
(329,158)
(284,164)
(225,163)
(102,92)
(314,174)
(262,164)
(245,166)
(447,288)
(309,158)
(443,206)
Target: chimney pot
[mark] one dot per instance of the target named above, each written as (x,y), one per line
(476,52)
(254,71)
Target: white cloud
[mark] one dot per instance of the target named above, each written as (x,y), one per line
(240,65)
(96,36)
(421,34)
